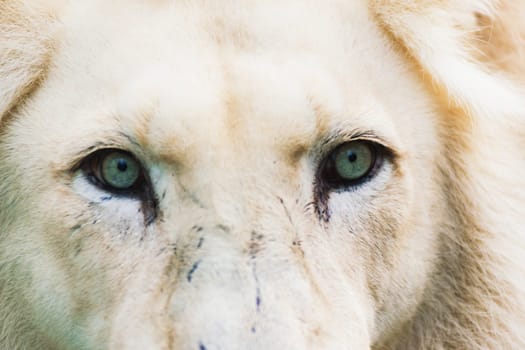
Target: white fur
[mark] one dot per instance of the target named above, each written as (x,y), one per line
(231,107)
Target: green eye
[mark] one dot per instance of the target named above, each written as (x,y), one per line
(351,163)
(353,160)
(119,170)
(118,173)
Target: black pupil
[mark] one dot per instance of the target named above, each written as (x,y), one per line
(122,165)
(352,157)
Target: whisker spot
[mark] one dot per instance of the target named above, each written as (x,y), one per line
(192,270)
(201,240)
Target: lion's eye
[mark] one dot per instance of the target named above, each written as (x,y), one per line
(114,170)
(353,160)
(351,164)
(120,170)
(120,173)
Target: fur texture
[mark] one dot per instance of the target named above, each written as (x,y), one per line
(232,109)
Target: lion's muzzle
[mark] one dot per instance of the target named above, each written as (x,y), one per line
(227,289)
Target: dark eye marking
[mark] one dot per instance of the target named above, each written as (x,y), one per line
(347,166)
(121,174)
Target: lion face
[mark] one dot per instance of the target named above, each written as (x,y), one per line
(233,176)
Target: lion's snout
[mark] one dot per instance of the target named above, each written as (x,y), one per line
(218,293)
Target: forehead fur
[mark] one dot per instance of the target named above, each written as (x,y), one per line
(28,38)
(261,56)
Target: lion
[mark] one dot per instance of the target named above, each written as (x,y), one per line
(271,174)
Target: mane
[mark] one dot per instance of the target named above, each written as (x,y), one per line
(27,39)
(501,39)
(476,297)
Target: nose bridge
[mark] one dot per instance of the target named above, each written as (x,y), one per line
(218,296)
(214,298)
(250,293)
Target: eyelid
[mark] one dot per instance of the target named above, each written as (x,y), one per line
(331,141)
(71,159)
(81,157)
(102,152)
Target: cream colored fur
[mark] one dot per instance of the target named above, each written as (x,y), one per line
(231,107)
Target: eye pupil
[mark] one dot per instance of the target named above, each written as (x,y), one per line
(122,165)
(352,157)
